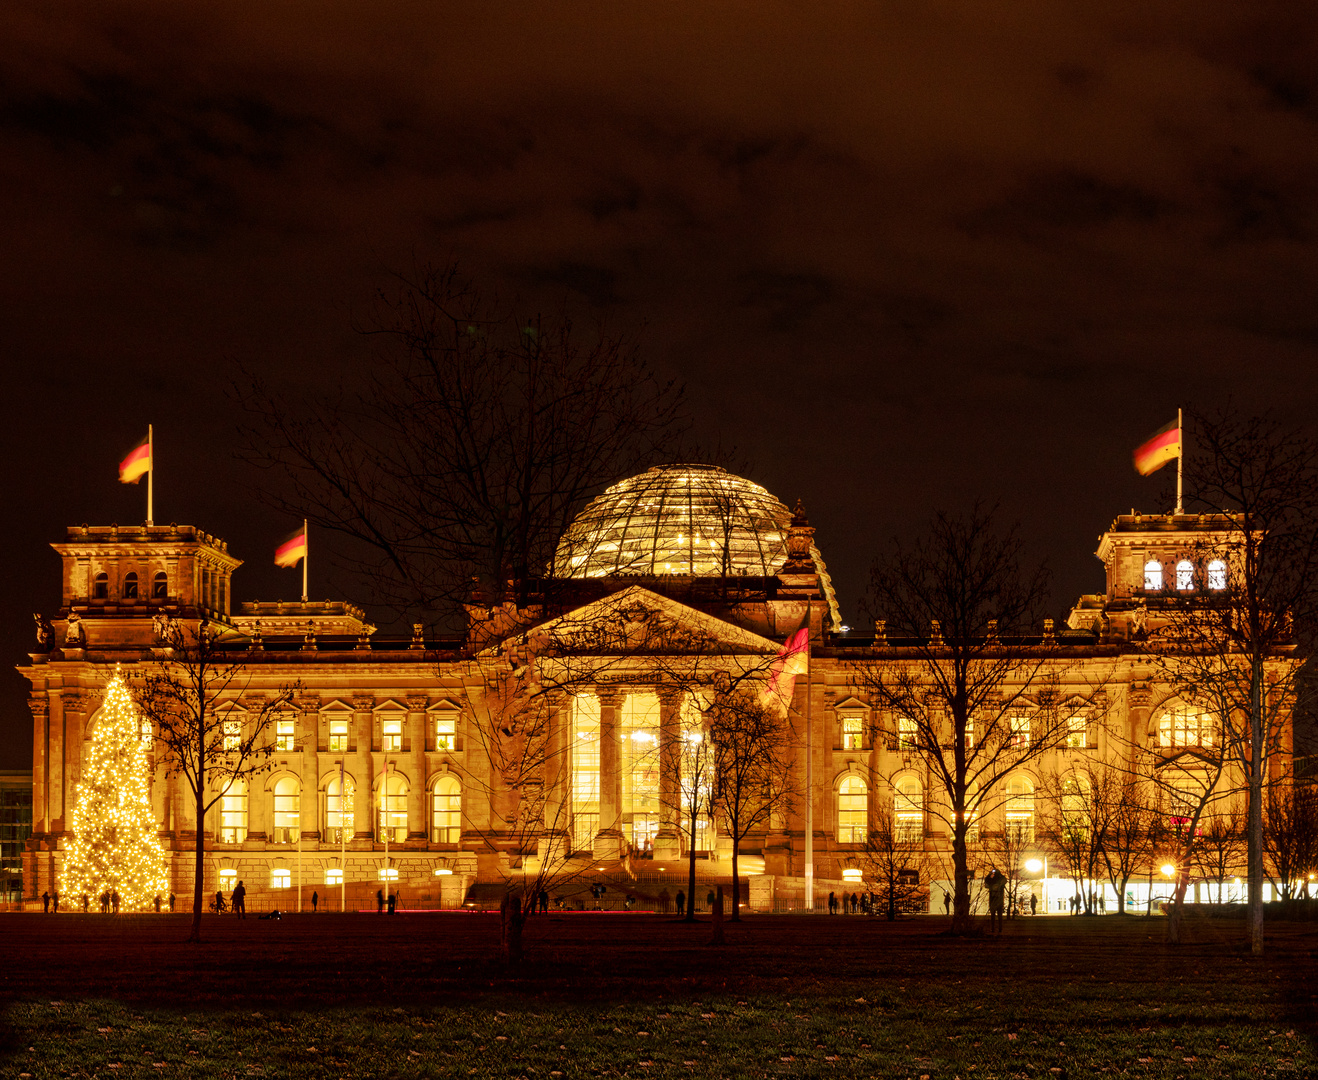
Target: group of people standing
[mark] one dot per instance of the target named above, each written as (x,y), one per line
(851,904)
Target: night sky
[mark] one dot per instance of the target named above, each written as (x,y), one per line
(903,254)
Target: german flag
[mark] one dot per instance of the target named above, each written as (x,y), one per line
(1162,446)
(792,660)
(293,548)
(136,463)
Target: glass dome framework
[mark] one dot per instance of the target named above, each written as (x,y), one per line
(686,520)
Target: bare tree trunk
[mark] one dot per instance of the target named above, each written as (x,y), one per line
(736,887)
(962,923)
(716,919)
(511,920)
(1254,857)
(199,866)
(1177,912)
(691,880)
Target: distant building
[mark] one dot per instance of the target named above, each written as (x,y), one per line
(15,828)
(679,558)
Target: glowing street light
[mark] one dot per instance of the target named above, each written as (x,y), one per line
(1168,870)
(1034,866)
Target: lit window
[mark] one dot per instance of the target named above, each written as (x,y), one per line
(1217,574)
(391,737)
(287,811)
(233,814)
(144,732)
(285,739)
(233,735)
(1075,808)
(1153,575)
(585,771)
(1181,726)
(281,878)
(1020,731)
(228,876)
(338,809)
(1020,810)
(852,811)
(446,811)
(1076,729)
(908,811)
(906,733)
(101,586)
(1185,575)
(160,586)
(446,734)
(1186,791)
(338,736)
(130,586)
(392,810)
(852,732)
(970,735)
(389,873)
(333,876)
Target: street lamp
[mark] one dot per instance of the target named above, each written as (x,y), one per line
(1035,866)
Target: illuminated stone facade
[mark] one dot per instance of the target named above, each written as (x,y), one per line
(407,719)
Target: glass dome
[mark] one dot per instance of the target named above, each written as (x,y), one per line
(697,520)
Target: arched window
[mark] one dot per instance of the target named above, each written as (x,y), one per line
(446,811)
(852,811)
(1182,726)
(101,586)
(1153,575)
(130,585)
(1020,810)
(233,813)
(391,813)
(1217,574)
(1185,575)
(908,811)
(160,586)
(338,808)
(288,819)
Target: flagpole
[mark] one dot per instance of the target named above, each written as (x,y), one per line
(384,798)
(306,554)
(1180,459)
(809,786)
(150,474)
(343,844)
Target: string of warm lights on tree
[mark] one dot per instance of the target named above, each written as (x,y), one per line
(115,844)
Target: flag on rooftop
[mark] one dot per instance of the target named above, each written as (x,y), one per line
(792,660)
(1162,446)
(293,548)
(136,463)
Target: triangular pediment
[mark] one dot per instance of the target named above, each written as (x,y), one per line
(851,703)
(637,621)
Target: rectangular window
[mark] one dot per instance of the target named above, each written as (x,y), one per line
(970,735)
(233,735)
(281,878)
(446,734)
(1020,731)
(233,815)
(338,736)
(852,732)
(333,876)
(285,739)
(906,733)
(1076,729)
(585,770)
(287,812)
(391,736)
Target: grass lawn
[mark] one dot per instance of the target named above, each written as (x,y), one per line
(640,996)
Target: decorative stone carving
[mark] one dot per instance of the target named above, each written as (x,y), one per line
(45,633)
(800,536)
(75,635)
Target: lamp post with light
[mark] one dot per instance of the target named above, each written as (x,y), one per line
(1034,866)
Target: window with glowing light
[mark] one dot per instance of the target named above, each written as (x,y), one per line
(1153,575)
(1075,807)
(1020,810)
(130,585)
(1181,725)
(1185,791)
(853,731)
(285,736)
(338,736)
(446,733)
(1185,575)
(233,814)
(391,736)
(333,876)
(1020,732)
(288,805)
(907,733)
(391,816)
(1217,575)
(281,878)
(695,774)
(387,873)
(1077,733)
(446,811)
(339,809)
(160,586)
(585,771)
(233,735)
(970,735)
(908,811)
(144,733)
(640,767)
(853,803)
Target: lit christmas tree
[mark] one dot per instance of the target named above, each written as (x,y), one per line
(115,844)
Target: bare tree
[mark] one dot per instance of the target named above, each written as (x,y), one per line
(1079,805)
(1220,845)
(753,754)
(469,444)
(1250,578)
(895,867)
(1129,844)
(1290,835)
(211,729)
(960,686)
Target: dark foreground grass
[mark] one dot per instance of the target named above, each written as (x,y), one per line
(802,997)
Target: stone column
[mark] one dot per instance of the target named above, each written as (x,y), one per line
(364,722)
(557,839)
(1138,703)
(668,840)
(68,714)
(40,707)
(608,841)
(417,736)
(308,807)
